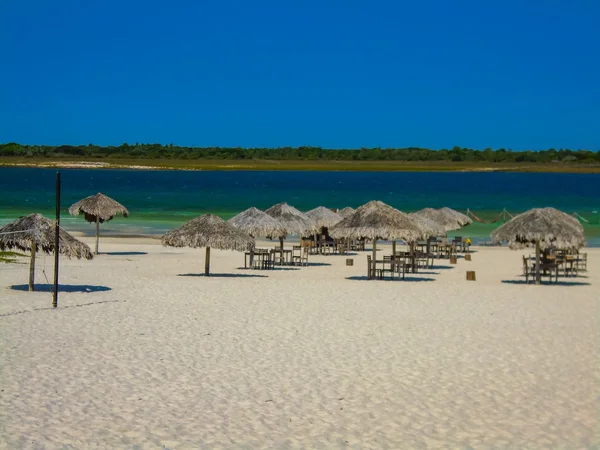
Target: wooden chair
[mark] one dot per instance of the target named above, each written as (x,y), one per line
(581,262)
(301,258)
(373,272)
(528,269)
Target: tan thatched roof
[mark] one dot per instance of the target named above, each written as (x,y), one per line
(430,227)
(36,228)
(99,205)
(548,226)
(323,217)
(291,219)
(257,223)
(346,212)
(376,220)
(208,231)
(447,222)
(461,218)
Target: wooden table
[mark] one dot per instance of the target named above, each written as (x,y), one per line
(378,274)
(284,258)
(263,259)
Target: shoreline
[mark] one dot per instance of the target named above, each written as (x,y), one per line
(295,165)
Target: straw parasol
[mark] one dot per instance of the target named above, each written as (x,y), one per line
(208,231)
(446,221)
(323,217)
(292,220)
(542,227)
(36,233)
(376,220)
(346,212)
(461,218)
(98,208)
(429,226)
(257,223)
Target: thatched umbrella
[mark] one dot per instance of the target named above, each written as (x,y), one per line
(208,231)
(257,223)
(346,212)
(98,208)
(323,218)
(292,220)
(460,218)
(36,233)
(446,221)
(376,220)
(542,227)
(430,227)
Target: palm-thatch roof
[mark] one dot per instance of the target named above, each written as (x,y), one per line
(461,218)
(346,212)
(292,220)
(208,231)
(546,226)
(444,220)
(257,223)
(98,207)
(430,227)
(35,228)
(376,220)
(323,217)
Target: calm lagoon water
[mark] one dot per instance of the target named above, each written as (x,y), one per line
(160,200)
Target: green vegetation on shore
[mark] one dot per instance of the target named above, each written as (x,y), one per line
(301,158)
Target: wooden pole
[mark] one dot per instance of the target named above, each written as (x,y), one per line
(251,256)
(537,263)
(97,232)
(207,262)
(32,266)
(56,241)
(374,258)
(394,248)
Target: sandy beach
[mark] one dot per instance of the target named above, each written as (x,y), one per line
(143,352)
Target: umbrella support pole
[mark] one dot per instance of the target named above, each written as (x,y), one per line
(97,232)
(373,259)
(207,262)
(393,248)
(32,266)
(537,263)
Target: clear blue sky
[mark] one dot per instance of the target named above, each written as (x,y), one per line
(515,74)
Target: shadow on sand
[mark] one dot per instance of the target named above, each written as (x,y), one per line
(83,288)
(222,275)
(123,253)
(407,279)
(442,267)
(546,283)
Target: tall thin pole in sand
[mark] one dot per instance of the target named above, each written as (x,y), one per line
(56,241)
(97,232)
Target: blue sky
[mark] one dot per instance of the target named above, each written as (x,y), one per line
(336,74)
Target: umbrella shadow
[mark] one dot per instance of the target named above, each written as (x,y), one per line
(316,264)
(123,253)
(560,283)
(83,288)
(409,279)
(222,275)
(442,267)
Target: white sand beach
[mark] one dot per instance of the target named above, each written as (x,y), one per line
(141,355)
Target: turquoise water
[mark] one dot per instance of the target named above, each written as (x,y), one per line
(160,200)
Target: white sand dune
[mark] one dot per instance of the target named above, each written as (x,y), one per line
(143,357)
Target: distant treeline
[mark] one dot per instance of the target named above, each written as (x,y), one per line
(158,151)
